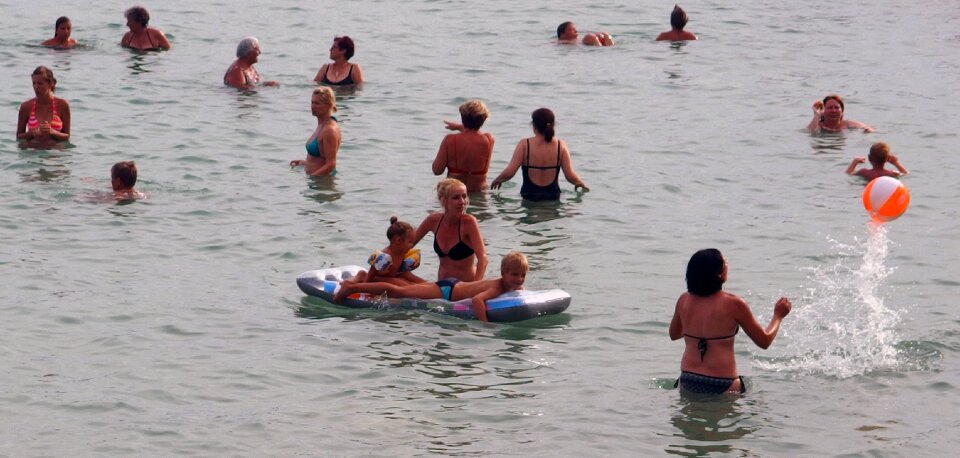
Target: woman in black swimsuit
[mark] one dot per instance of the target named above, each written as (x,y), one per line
(340,72)
(708,319)
(541,158)
(457,240)
(141,37)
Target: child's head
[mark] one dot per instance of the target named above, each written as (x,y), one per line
(398,229)
(123,175)
(705,272)
(513,269)
(879,153)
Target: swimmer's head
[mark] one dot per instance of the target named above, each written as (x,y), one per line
(345,44)
(678,18)
(247,46)
(326,95)
(47,75)
(706,272)
(566,31)
(542,120)
(473,113)
(138,14)
(879,153)
(398,228)
(65,22)
(446,184)
(836,98)
(123,175)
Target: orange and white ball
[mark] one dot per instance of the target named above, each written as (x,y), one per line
(885,199)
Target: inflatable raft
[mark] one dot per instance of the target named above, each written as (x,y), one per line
(512,306)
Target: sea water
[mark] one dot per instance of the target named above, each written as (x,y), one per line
(173,325)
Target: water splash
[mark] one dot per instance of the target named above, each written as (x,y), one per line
(841,327)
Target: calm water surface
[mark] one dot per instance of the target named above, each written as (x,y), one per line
(173,325)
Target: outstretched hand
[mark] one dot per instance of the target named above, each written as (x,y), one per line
(450,125)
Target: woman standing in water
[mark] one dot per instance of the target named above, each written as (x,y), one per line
(466,155)
(45,119)
(541,158)
(323,145)
(708,319)
(340,72)
(141,37)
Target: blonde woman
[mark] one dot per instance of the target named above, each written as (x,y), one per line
(466,155)
(457,240)
(323,145)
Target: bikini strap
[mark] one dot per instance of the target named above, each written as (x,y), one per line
(558,153)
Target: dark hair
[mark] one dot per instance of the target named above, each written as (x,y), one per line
(60,20)
(397,228)
(126,172)
(678,18)
(834,97)
(345,43)
(543,122)
(139,14)
(47,74)
(704,272)
(562,28)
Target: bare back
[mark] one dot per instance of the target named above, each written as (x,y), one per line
(708,323)
(466,157)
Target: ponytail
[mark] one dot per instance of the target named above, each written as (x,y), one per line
(543,120)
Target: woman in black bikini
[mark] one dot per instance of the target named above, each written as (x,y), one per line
(340,72)
(708,319)
(457,240)
(541,158)
(141,37)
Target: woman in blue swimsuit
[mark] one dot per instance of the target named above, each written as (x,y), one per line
(708,319)
(457,240)
(323,145)
(541,158)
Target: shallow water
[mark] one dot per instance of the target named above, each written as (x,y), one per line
(173,325)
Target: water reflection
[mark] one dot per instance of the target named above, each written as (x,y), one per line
(530,213)
(711,424)
(138,62)
(50,169)
(827,142)
(480,206)
(322,189)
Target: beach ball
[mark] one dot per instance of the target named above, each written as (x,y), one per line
(885,199)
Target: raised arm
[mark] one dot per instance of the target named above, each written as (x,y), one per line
(853,165)
(426,226)
(817,115)
(896,163)
(762,337)
(567,166)
(512,166)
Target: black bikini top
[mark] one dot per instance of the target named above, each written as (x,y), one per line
(702,341)
(457,252)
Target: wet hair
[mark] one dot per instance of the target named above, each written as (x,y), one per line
(126,172)
(60,21)
(834,97)
(514,261)
(326,94)
(138,14)
(345,44)
(704,272)
(678,18)
(473,113)
(562,28)
(543,120)
(444,186)
(398,227)
(246,46)
(47,74)
(879,153)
